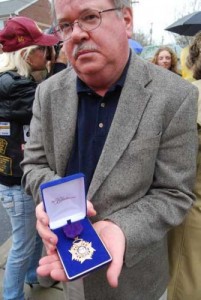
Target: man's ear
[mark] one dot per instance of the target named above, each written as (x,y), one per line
(128,19)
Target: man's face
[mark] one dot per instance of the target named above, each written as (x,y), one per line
(102,49)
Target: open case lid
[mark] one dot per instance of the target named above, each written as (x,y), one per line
(64,200)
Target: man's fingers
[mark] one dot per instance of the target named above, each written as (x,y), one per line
(46,264)
(59,275)
(41,214)
(91,212)
(115,266)
(114,271)
(48,237)
(51,266)
(114,240)
(44,270)
(54,270)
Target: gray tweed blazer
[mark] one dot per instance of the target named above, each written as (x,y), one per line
(144,177)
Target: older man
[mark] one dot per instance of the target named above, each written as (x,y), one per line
(130,127)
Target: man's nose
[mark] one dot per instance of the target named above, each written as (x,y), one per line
(73,25)
(78,31)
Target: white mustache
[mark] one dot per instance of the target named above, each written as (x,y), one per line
(82,47)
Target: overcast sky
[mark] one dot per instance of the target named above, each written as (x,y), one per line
(160,13)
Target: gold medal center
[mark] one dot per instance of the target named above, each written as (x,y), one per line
(81,250)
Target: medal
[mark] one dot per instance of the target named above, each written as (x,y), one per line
(81,250)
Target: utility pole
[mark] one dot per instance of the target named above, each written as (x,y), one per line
(151,32)
(132,5)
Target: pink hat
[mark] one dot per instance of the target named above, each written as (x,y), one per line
(20,32)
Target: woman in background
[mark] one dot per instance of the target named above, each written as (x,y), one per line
(166,58)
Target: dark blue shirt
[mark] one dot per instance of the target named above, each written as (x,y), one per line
(95,115)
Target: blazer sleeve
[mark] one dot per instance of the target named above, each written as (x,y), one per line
(146,222)
(46,152)
(38,167)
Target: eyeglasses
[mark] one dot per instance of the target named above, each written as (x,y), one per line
(87,21)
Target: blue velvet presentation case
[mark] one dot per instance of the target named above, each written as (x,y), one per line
(65,203)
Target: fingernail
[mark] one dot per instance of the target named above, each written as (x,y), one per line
(52,241)
(43,221)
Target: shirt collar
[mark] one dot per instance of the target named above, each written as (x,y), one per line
(83,88)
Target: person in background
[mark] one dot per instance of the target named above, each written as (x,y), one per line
(57,56)
(166,58)
(186,72)
(25,51)
(184,240)
(131,130)
(58,60)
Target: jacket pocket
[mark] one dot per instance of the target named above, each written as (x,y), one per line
(148,143)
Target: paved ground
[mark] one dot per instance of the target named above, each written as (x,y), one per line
(35,293)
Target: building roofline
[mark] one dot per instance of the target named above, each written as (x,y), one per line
(25,6)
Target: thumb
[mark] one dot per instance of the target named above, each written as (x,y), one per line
(114,271)
(91,212)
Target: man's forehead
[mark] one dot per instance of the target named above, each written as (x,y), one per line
(63,8)
(78,2)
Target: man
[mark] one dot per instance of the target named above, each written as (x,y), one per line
(130,127)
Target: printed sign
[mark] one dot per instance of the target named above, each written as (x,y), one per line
(5,165)
(4,128)
(3,146)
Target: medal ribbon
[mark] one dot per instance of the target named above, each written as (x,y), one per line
(72,230)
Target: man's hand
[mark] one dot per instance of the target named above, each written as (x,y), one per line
(49,238)
(110,233)
(114,240)
(51,266)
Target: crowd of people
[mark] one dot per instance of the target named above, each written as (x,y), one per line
(23,65)
(77,99)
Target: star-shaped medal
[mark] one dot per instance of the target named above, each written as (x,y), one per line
(81,250)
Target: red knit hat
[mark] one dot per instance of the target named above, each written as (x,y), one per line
(20,32)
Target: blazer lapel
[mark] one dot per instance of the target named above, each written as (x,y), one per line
(64,107)
(132,103)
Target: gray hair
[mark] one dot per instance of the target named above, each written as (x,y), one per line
(122,3)
(117,3)
(17,61)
